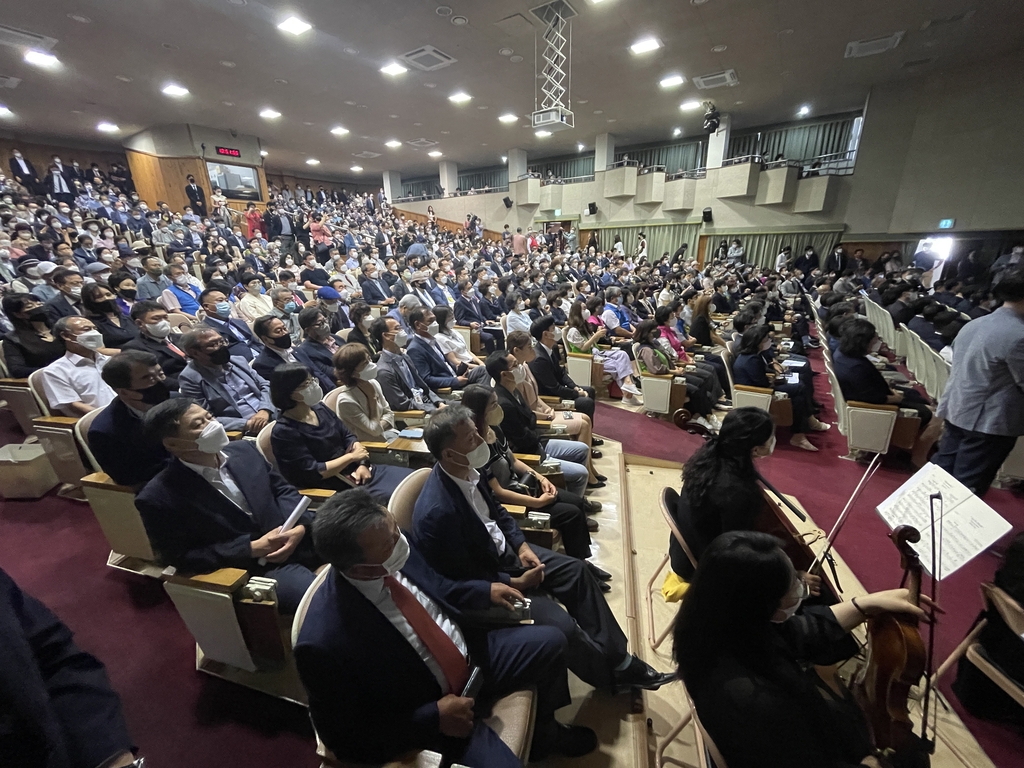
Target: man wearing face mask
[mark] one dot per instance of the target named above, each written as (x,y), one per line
(400,313)
(286,308)
(226,386)
(332,307)
(68,303)
(157,338)
(427,356)
(154,282)
(23,171)
(73,383)
(375,290)
(116,437)
(219,504)
(236,334)
(467,535)
(185,295)
(318,346)
(552,378)
(403,387)
(277,347)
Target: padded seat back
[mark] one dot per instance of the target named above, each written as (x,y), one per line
(404,498)
(264,445)
(82,436)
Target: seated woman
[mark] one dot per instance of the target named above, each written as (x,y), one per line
(700,324)
(861,381)
(451,342)
(123,286)
(755,366)
(518,319)
(674,335)
(101,307)
(359,314)
(701,385)
(578,425)
(582,336)
(254,302)
(361,403)
(745,652)
(312,446)
(31,345)
(508,477)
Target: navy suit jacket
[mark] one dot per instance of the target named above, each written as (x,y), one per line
(59,307)
(751,371)
(64,711)
(321,361)
(468,311)
(203,386)
(374,291)
(434,369)
(116,440)
(859,379)
(238,347)
(371,697)
(195,528)
(551,376)
(452,537)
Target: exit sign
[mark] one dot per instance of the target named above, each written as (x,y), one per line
(229,152)
(946,223)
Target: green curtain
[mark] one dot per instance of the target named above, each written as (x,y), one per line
(684,156)
(660,238)
(761,249)
(415,187)
(567,167)
(484,177)
(800,141)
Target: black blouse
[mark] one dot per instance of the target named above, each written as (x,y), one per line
(25,351)
(114,335)
(303,450)
(700,329)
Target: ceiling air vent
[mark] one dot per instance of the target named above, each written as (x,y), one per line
(947,20)
(421,143)
(19,38)
(9,82)
(716,80)
(861,48)
(366,154)
(546,13)
(428,59)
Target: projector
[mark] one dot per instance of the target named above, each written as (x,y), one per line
(554,119)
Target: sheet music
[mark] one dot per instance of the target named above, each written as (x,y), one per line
(968,527)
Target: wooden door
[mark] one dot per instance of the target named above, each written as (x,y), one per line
(702,245)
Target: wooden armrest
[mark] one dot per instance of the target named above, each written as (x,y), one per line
(374,445)
(14,383)
(550,399)
(316,493)
(530,459)
(543,424)
(758,390)
(222,580)
(410,414)
(647,375)
(872,406)
(234,434)
(55,421)
(444,391)
(581,355)
(516,510)
(103,480)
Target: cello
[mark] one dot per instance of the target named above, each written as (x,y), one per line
(897,660)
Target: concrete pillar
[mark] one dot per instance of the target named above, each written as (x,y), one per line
(392,185)
(718,143)
(449,173)
(604,151)
(516,164)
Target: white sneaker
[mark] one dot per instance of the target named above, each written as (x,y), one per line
(701,421)
(632,400)
(630,389)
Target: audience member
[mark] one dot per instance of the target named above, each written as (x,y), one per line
(101,307)
(361,403)
(400,381)
(234,332)
(31,344)
(552,378)
(426,353)
(72,384)
(157,337)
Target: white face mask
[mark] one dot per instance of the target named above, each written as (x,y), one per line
(399,556)
(519,372)
(76,291)
(478,456)
(312,393)
(181,280)
(787,613)
(876,345)
(159,330)
(771,447)
(369,373)
(558,333)
(213,438)
(90,339)
(433,328)
(401,339)
(586,314)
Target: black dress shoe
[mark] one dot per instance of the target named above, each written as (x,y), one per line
(596,441)
(594,486)
(605,586)
(565,740)
(600,573)
(640,674)
(601,478)
(592,525)
(595,454)
(591,507)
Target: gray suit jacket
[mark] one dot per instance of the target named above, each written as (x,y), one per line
(985,391)
(203,385)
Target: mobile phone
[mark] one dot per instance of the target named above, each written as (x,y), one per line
(474,684)
(567,415)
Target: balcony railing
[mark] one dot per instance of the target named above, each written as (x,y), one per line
(695,173)
(569,180)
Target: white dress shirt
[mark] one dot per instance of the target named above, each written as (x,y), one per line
(76,379)
(377,593)
(221,479)
(476,501)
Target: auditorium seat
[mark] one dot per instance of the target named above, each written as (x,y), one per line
(56,433)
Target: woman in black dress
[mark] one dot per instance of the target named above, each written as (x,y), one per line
(312,446)
(101,307)
(31,345)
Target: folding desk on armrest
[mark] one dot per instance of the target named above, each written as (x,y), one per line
(57,434)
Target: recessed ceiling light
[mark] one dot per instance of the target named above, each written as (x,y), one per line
(270,114)
(461,97)
(281,81)
(307,122)
(42,59)
(445,132)
(542,134)
(435,153)
(697,2)
(686,106)
(417,124)
(582,101)
(295,26)
(508,117)
(443,10)
(350,103)
(676,132)
(505,51)
(504,158)
(784,32)
(171,89)
(107,127)
(228,103)
(393,117)
(394,143)
(123,78)
(238,2)
(356,168)
(430,85)
(515,59)
(312,161)
(672,81)
(580,147)
(5,111)
(483,144)
(804,111)
(394,68)
(739,102)
(80,18)
(351,51)
(645,45)
(263,153)
(170,46)
(598,111)
(361,106)
(719,48)
(612,119)
(483,106)
(339,130)
(460,21)
(228,64)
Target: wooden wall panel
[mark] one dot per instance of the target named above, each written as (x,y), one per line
(163,178)
(39,155)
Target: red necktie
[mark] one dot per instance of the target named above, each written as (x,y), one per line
(445,652)
(175,350)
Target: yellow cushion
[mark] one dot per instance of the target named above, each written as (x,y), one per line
(674,587)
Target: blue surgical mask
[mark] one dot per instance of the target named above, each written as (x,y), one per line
(223,309)
(290,307)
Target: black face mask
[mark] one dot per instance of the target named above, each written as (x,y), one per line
(129,293)
(155,394)
(37,315)
(102,306)
(220,356)
(282,342)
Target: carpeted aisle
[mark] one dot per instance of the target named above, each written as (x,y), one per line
(823,482)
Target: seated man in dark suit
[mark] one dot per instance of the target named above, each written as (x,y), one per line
(318,345)
(158,338)
(401,383)
(278,350)
(218,504)
(464,533)
(116,437)
(375,290)
(427,356)
(68,303)
(552,378)
(468,312)
(384,651)
(58,706)
(234,332)
(237,396)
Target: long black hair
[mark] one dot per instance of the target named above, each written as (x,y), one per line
(743,429)
(750,341)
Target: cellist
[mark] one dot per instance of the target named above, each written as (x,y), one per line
(744,649)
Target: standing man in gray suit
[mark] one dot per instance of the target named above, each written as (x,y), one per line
(983,404)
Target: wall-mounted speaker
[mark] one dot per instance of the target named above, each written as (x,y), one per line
(592,207)
(507,201)
(707,216)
